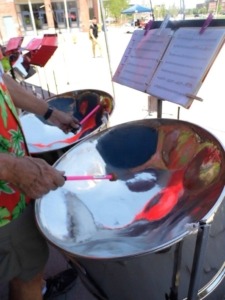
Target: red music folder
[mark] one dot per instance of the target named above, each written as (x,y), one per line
(34,44)
(47,48)
(13,44)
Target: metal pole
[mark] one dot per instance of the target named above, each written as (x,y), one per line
(159,108)
(49,94)
(107,44)
(198,260)
(178,113)
(42,93)
(66,15)
(182,8)
(56,88)
(32,16)
(176,272)
(217,7)
(153,17)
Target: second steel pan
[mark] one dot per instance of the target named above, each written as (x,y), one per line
(49,142)
(170,175)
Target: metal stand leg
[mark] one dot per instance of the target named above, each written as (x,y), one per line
(159,109)
(152,105)
(198,260)
(176,272)
(90,284)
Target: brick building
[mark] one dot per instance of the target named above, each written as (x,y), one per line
(18,17)
(212,5)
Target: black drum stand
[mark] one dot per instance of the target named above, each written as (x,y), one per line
(197,266)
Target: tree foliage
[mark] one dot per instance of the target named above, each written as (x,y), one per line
(113,8)
(160,11)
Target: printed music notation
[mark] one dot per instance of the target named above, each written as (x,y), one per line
(170,66)
(141,58)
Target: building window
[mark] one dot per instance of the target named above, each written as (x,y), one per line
(60,17)
(39,16)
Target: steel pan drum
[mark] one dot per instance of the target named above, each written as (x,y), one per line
(170,175)
(49,142)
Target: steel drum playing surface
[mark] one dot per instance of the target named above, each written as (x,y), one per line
(170,174)
(42,136)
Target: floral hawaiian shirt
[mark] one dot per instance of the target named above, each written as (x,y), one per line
(12,202)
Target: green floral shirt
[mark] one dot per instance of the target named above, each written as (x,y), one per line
(12,202)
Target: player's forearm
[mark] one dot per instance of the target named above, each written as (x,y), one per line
(7,162)
(24,99)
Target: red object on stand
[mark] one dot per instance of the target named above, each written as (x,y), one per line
(34,44)
(47,48)
(13,44)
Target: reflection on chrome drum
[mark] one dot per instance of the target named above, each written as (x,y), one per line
(129,237)
(92,107)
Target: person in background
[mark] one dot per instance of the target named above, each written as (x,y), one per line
(23,250)
(93,34)
(138,23)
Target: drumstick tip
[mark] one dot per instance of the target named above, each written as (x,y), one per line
(114,177)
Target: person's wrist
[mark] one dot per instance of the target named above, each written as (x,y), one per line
(48,113)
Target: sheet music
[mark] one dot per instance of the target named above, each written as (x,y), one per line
(170,66)
(141,58)
(185,64)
